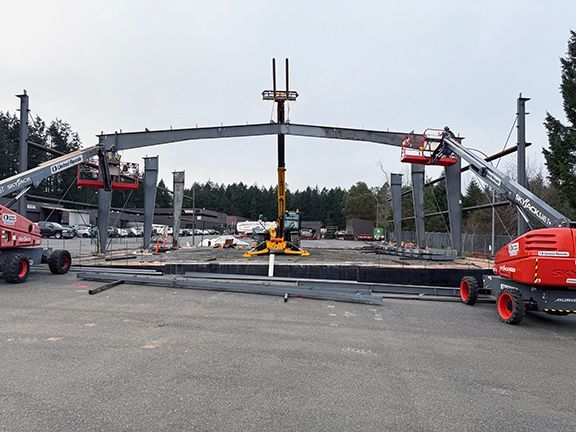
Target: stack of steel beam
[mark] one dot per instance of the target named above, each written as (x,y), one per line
(312,289)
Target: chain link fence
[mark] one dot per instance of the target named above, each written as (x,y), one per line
(471,243)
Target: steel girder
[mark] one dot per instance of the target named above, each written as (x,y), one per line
(131,140)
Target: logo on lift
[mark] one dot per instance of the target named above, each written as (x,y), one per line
(507,269)
(527,204)
(513,249)
(66,164)
(553,253)
(9,219)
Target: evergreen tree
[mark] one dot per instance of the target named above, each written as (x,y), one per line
(561,154)
(163,197)
(359,202)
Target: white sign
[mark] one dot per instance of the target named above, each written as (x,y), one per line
(513,249)
(553,254)
(66,164)
(9,219)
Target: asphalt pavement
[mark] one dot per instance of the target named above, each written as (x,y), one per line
(156,359)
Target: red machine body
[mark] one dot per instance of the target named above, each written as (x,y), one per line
(544,257)
(17,231)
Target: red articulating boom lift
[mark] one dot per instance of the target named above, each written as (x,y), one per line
(20,238)
(536,271)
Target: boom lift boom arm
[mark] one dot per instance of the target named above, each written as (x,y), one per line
(34,176)
(518,195)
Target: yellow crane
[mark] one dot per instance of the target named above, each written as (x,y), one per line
(285,237)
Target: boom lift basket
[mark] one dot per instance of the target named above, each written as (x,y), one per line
(123,175)
(420,149)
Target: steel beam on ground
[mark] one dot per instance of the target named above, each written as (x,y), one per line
(453,176)
(417,172)
(236,286)
(396,190)
(150,181)
(129,140)
(177,199)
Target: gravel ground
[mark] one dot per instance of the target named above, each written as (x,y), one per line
(154,359)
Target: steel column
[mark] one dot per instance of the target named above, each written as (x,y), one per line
(521,164)
(178,198)
(23,146)
(418,201)
(396,188)
(454,197)
(104,203)
(150,181)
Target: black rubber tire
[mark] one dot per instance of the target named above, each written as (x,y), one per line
(511,306)
(59,261)
(58,235)
(469,290)
(13,270)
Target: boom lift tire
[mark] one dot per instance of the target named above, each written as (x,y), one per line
(16,269)
(59,261)
(511,306)
(469,290)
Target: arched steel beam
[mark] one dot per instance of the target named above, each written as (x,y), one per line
(131,140)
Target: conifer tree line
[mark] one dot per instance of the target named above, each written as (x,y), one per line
(331,206)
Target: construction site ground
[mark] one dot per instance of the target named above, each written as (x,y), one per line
(153,359)
(338,252)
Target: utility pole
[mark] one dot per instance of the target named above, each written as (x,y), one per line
(521,161)
(23,146)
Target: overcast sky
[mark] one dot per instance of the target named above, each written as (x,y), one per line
(397,65)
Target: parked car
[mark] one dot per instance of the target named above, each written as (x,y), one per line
(53,229)
(113,232)
(135,232)
(85,231)
(122,232)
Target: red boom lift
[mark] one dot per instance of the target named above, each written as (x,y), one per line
(536,271)
(20,238)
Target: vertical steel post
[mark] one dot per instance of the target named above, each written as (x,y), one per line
(521,163)
(104,203)
(417,172)
(150,181)
(23,146)
(178,199)
(396,186)
(493,227)
(454,198)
